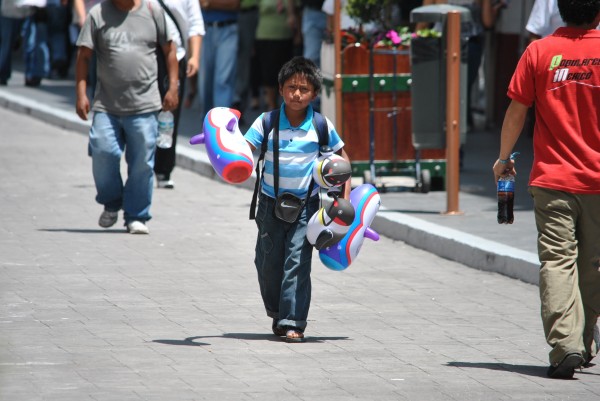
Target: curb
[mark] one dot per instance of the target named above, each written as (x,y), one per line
(467,249)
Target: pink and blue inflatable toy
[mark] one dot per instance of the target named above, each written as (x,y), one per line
(228,151)
(366,202)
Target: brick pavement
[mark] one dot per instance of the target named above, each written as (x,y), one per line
(93,314)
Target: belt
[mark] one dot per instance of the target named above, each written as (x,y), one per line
(219,24)
(248,9)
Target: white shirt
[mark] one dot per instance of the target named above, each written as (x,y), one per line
(544,18)
(189,18)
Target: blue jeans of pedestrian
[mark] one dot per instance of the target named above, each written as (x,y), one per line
(314,24)
(58,23)
(37,54)
(283,262)
(10,29)
(111,136)
(218,66)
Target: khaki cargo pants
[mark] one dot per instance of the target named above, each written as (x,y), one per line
(568,228)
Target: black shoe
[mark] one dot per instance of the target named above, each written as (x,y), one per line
(566,368)
(33,82)
(3,82)
(278,331)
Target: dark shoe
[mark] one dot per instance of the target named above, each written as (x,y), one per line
(189,100)
(566,368)
(33,82)
(60,68)
(293,335)
(3,82)
(278,331)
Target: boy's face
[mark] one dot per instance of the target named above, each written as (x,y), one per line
(297,92)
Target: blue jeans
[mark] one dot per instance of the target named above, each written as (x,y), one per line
(10,29)
(218,66)
(58,23)
(37,54)
(110,135)
(247,23)
(283,262)
(314,24)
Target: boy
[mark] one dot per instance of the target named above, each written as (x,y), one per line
(124,35)
(283,254)
(560,74)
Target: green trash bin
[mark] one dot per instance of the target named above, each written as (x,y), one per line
(428,73)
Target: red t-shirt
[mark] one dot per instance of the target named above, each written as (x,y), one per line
(561,75)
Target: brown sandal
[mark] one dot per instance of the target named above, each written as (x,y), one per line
(294,335)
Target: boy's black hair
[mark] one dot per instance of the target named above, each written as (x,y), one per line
(304,67)
(579,12)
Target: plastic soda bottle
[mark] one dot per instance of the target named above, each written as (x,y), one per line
(506,197)
(166,123)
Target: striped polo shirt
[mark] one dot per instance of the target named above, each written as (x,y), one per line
(298,150)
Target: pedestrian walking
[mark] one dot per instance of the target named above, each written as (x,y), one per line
(218,62)
(283,254)
(185,18)
(560,74)
(124,35)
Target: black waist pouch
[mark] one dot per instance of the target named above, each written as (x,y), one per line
(288,207)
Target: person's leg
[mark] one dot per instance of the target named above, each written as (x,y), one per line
(164,162)
(9,30)
(296,285)
(206,74)
(37,55)
(140,132)
(225,66)
(107,144)
(58,22)
(248,20)
(314,24)
(588,261)
(556,214)
(475,49)
(269,255)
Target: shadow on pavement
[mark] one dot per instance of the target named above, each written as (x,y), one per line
(83,230)
(190,341)
(529,370)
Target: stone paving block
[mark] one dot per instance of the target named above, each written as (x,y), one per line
(88,313)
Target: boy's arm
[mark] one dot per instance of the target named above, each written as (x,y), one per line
(171,97)
(82,63)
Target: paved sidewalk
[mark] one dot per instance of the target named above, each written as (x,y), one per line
(94,314)
(474,238)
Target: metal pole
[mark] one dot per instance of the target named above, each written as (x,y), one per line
(452,111)
(337,79)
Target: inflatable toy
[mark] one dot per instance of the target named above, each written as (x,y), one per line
(330,223)
(228,151)
(366,202)
(331,170)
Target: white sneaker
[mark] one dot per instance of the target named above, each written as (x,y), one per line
(137,227)
(108,219)
(167,184)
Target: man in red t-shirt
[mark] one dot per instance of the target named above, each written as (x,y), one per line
(560,74)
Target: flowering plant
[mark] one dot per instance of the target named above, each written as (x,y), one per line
(401,37)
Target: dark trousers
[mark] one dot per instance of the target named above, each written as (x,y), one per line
(164,161)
